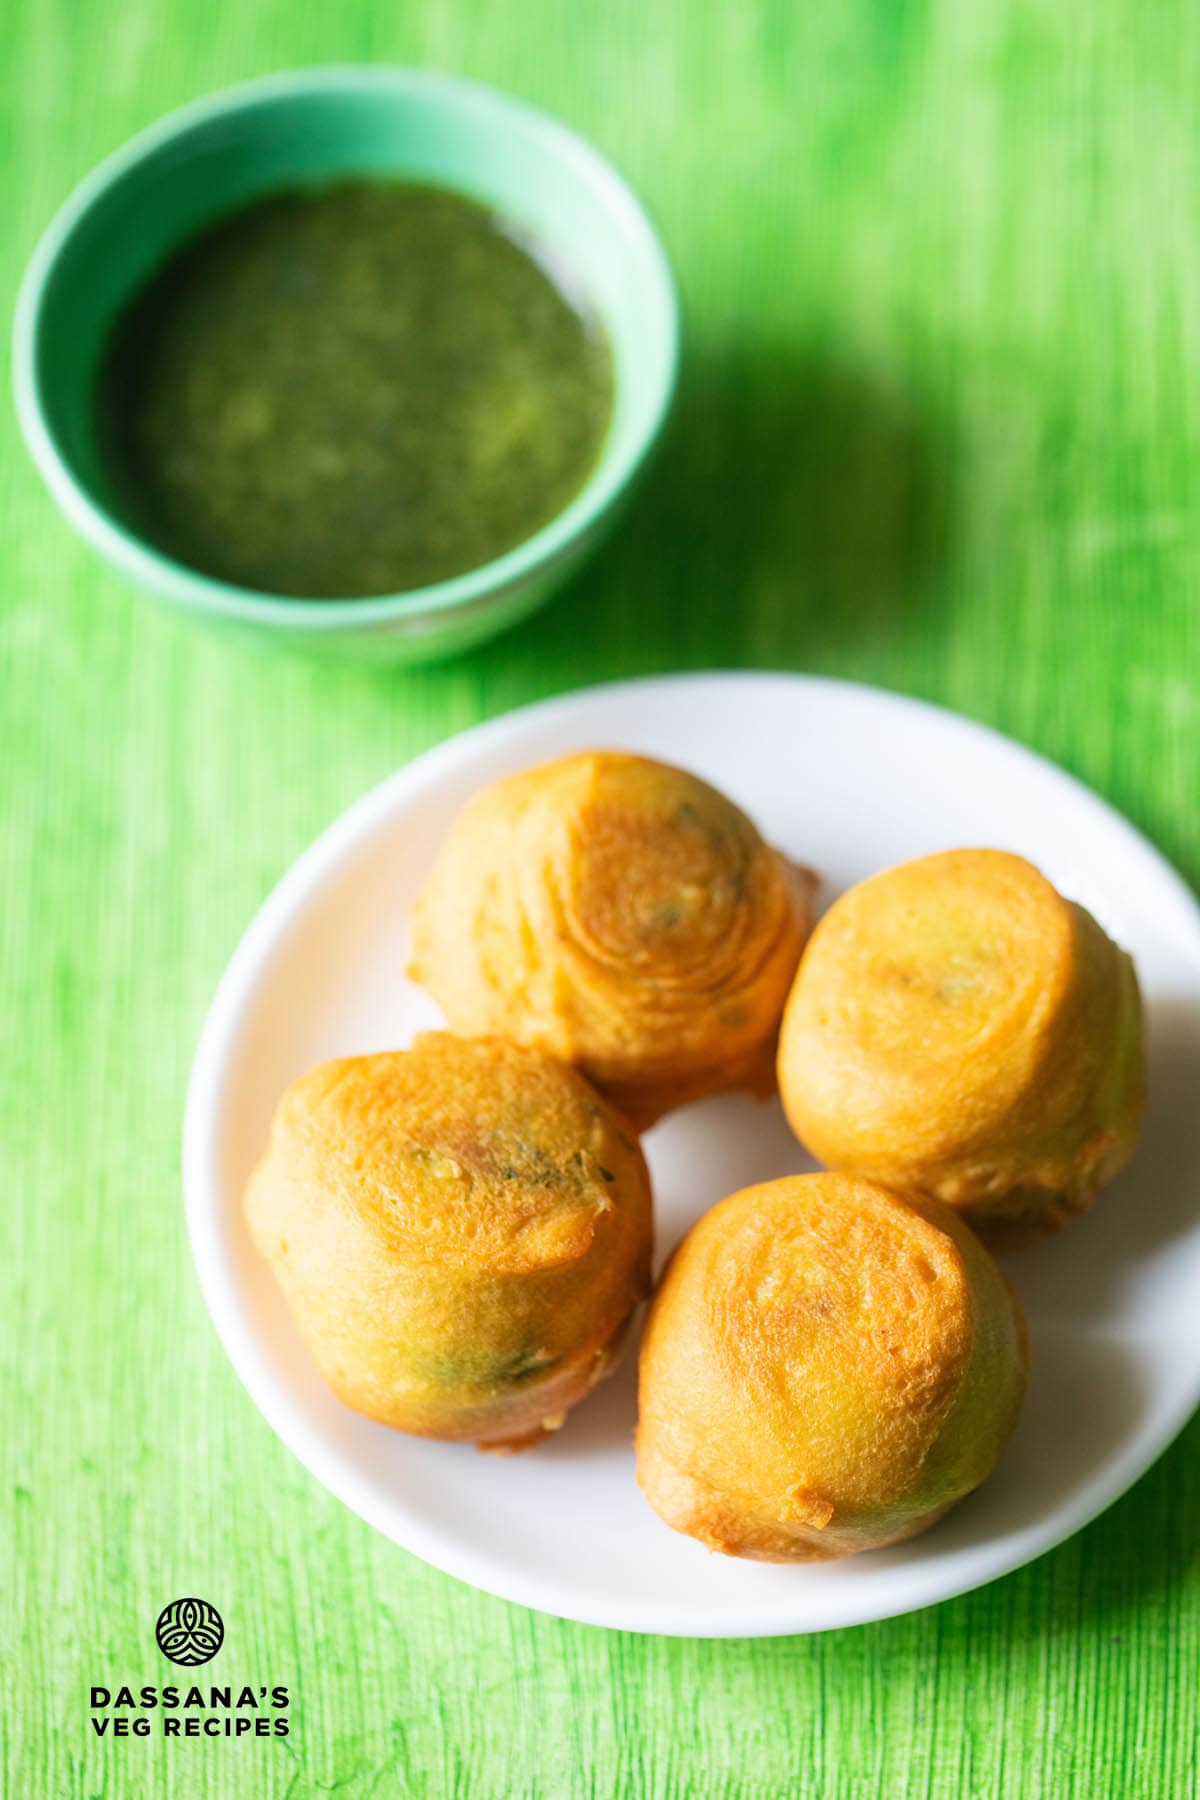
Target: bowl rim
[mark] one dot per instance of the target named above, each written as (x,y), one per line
(195,591)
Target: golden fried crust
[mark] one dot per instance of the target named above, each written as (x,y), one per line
(622,915)
(958,1027)
(826,1368)
(461,1230)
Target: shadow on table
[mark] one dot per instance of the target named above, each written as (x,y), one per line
(797,503)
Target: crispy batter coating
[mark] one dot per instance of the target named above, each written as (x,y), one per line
(960,1028)
(462,1231)
(622,915)
(827,1367)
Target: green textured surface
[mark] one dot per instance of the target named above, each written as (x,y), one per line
(938,430)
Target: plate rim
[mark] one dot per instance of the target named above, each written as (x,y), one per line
(202,1196)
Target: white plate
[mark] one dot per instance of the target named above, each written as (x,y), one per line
(849,780)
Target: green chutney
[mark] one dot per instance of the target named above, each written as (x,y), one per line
(351,390)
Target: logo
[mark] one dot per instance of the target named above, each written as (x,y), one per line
(189,1632)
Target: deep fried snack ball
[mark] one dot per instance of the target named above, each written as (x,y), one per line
(622,915)
(960,1028)
(827,1367)
(462,1231)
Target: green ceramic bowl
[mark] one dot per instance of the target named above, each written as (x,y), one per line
(310,126)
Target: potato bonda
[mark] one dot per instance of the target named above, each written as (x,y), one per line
(462,1231)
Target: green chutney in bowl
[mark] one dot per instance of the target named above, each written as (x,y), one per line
(353,389)
(353,358)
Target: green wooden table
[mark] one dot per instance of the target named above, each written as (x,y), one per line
(938,429)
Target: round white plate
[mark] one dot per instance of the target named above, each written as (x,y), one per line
(846,779)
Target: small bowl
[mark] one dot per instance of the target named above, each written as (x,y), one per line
(303,128)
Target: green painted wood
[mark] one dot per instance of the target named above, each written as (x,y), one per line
(938,430)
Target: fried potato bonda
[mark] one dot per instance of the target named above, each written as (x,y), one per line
(959,1028)
(622,915)
(827,1367)
(462,1231)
